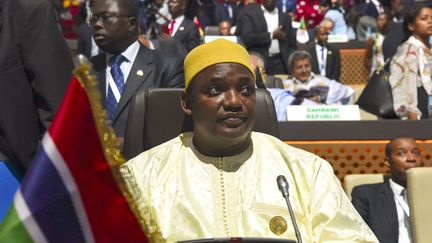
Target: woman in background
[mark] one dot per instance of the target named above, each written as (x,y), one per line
(411,66)
(374,58)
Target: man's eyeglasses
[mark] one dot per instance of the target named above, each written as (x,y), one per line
(106,18)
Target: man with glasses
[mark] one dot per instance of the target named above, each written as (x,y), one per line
(384,206)
(126,66)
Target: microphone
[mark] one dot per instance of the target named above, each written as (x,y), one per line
(283,187)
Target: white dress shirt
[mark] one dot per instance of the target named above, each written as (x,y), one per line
(177,24)
(130,54)
(402,208)
(272,20)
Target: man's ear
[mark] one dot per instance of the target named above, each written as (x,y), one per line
(387,162)
(133,24)
(185,103)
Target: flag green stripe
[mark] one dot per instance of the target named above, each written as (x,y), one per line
(11,229)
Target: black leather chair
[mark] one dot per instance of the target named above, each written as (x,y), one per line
(211,30)
(156,116)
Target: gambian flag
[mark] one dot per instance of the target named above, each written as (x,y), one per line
(73,192)
(200,29)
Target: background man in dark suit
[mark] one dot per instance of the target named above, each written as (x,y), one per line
(182,28)
(126,66)
(265,30)
(383,205)
(35,69)
(325,59)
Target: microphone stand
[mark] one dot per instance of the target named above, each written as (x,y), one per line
(283,187)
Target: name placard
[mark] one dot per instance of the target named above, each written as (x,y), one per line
(337,39)
(323,113)
(209,38)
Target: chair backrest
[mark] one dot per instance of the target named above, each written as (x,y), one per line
(353,180)
(211,30)
(156,116)
(420,202)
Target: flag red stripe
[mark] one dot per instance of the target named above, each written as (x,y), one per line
(75,135)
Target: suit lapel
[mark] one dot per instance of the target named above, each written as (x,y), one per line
(315,59)
(389,205)
(281,20)
(138,76)
(181,29)
(260,15)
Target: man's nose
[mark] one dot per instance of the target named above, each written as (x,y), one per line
(411,157)
(232,99)
(97,24)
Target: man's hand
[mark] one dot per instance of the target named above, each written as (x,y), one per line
(144,41)
(279,34)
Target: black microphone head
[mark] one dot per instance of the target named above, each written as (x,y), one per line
(283,185)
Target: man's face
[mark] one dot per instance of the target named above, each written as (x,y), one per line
(113,28)
(322,9)
(269,5)
(225,28)
(302,69)
(327,25)
(221,100)
(322,34)
(405,154)
(176,7)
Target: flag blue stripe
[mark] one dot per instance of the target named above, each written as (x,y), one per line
(50,202)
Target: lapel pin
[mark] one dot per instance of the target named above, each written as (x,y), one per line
(329,52)
(140,73)
(181,28)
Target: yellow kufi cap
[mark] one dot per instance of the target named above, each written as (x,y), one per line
(217,51)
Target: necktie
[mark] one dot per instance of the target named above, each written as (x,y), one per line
(322,67)
(407,221)
(171,28)
(117,75)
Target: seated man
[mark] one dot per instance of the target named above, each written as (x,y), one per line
(220,179)
(307,88)
(384,206)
